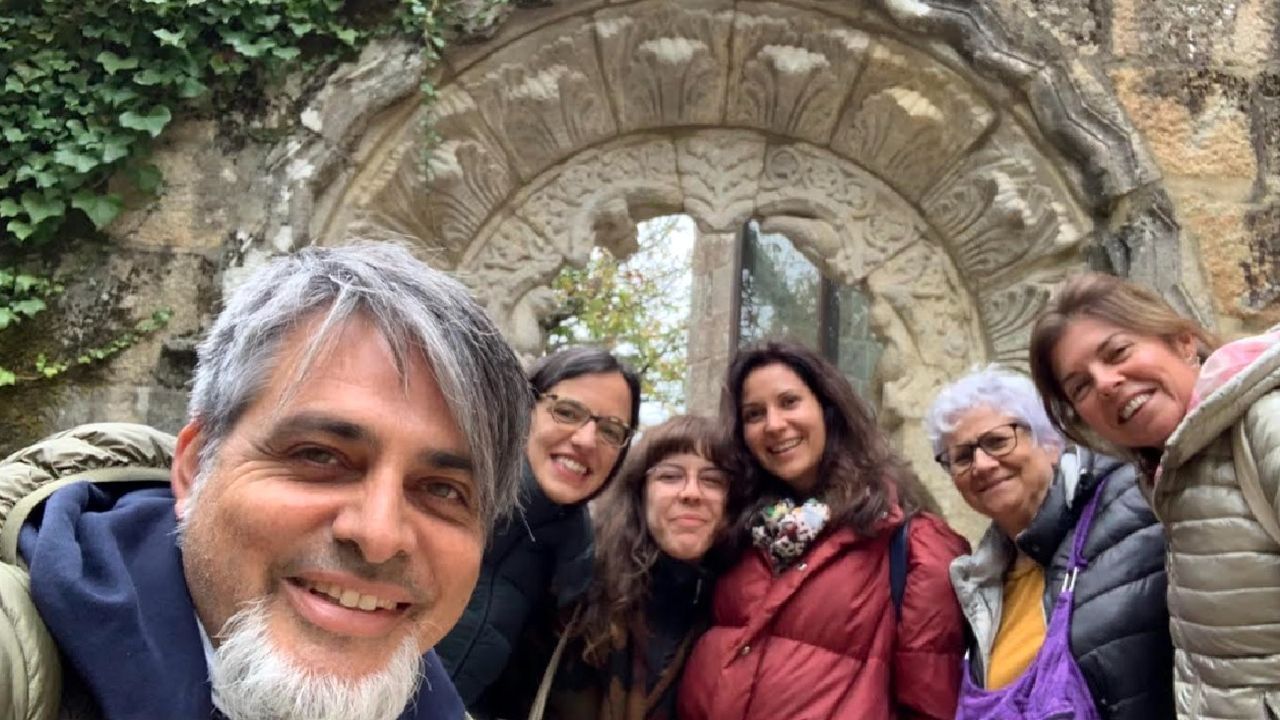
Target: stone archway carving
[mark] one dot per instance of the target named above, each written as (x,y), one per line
(904,146)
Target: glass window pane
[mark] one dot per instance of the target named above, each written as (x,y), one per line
(782,298)
(780,290)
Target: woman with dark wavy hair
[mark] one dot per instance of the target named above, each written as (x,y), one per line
(804,623)
(654,527)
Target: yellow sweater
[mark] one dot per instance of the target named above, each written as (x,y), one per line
(1022,623)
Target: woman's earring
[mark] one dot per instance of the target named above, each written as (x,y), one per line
(1194,361)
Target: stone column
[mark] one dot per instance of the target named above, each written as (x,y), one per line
(714,264)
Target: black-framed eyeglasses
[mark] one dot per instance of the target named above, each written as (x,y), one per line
(571,412)
(710,481)
(997,442)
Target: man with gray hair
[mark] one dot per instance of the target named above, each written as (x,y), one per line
(356,425)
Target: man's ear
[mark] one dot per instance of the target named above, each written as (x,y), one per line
(186,464)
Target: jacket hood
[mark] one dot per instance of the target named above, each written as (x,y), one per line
(1232,379)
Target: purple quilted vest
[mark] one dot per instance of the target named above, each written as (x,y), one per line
(1052,688)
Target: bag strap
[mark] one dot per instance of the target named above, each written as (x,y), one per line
(1251,484)
(544,688)
(898,565)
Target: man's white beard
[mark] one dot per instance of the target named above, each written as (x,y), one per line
(253,680)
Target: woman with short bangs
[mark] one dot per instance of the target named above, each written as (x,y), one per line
(1121,370)
(655,528)
(806,623)
(1062,518)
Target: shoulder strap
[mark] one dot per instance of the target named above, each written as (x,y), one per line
(898,565)
(548,676)
(1251,485)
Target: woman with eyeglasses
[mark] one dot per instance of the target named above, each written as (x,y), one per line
(1120,369)
(807,623)
(655,529)
(1065,593)
(537,565)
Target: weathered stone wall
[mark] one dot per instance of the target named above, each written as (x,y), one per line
(1200,80)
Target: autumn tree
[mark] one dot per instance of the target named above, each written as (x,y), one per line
(637,308)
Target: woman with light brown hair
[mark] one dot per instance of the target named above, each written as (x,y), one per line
(1121,371)
(655,528)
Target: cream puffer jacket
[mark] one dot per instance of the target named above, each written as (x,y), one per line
(1223,566)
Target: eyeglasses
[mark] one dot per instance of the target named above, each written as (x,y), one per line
(711,482)
(995,443)
(571,412)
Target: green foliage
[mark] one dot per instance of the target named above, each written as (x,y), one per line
(87,85)
(638,309)
(90,84)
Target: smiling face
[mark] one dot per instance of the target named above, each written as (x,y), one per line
(1131,389)
(344,508)
(1010,488)
(684,499)
(783,426)
(572,463)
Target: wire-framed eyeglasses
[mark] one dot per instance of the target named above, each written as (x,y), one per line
(571,412)
(710,481)
(997,442)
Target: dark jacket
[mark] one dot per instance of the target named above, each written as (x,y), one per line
(1120,624)
(820,639)
(536,565)
(640,680)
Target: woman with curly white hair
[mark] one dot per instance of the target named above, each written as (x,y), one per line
(1065,593)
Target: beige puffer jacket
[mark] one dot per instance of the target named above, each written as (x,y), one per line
(30,674)
(1223,566)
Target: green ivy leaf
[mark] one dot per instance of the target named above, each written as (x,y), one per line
(151,122)
(21,230)
(14,135)
(101,209)
(152,76)
(244,44)
(40,206)
(7,317)
(72,158)
(7,377)
(115,147)
(286,53)
(119,96)
(189,87)
(113,63)
(29,307)
(168,37)
(147,178)
(9,208)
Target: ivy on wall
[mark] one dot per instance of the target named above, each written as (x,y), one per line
(87,85)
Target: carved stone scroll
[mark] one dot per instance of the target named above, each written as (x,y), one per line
(1002,213)
(544,97)
(597,198)
(792,70)
(719,175)
(664,63)
(910,118)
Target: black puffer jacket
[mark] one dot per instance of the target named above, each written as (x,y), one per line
(1120,624)
(535,564)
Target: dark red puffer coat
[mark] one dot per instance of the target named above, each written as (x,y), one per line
(819,641)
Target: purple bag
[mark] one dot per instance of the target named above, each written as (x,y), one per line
(1052,688)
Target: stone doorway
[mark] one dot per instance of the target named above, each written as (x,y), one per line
(905,148)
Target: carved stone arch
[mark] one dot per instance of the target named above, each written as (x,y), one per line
(916,149)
